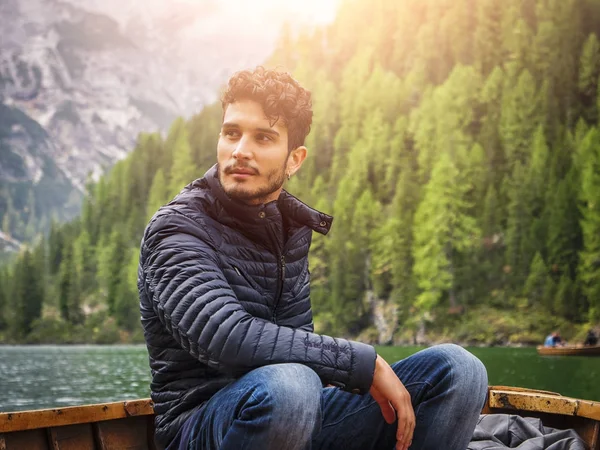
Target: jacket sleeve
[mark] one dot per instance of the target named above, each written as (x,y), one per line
(194,301)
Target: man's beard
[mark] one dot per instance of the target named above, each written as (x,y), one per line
(275,180)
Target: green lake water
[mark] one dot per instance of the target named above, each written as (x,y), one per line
(33,377)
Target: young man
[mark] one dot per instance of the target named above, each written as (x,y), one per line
(224,296)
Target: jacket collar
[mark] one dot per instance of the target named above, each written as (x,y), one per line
(287,205)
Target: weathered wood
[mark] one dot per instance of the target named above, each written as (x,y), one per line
(28,420)
(535,401)
(553,409)
(72,437)
(123,434)
(130,425)
(30,440)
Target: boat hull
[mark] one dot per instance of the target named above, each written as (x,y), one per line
(569,351)
(130,425)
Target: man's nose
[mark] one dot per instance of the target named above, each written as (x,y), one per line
(243,149)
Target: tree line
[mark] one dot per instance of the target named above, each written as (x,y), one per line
(455,142)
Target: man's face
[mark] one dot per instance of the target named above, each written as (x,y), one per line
(252,155)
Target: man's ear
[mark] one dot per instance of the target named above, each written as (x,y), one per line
(295,160)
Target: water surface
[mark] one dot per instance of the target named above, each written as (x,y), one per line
(33,377)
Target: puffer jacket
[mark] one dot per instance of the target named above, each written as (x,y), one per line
(221,294)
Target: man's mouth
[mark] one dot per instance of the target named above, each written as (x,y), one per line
(242,171)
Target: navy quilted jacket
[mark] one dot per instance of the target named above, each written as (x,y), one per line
(222,292)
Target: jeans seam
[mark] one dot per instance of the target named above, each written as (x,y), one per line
(368,406)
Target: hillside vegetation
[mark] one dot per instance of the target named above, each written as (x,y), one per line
(454,141)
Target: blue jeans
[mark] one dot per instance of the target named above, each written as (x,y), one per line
(285,407)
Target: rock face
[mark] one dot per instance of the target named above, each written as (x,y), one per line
(79,79)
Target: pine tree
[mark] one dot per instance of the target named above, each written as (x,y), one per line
(110,265)
(518,226)
(28,293)
(55,248)
(442,230)
(564,230)
(158,194)
(519,118)
(589,268)
(403,210)
(69,289)
(489,135)
(536,283)
(589,71)
(126,301)
(564,299)
(487,45)
(184,170)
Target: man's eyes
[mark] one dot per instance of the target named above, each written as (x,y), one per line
(263,137)
(235,134)
(230,133)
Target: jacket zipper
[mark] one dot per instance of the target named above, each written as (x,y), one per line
(281,283)
(281,270)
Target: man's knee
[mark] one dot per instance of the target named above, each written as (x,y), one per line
(290,394)
(450,367)
(467,372)
(289,389)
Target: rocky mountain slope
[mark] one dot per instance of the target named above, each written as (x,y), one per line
(79,79)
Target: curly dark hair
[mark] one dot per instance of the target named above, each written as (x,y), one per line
(280,96)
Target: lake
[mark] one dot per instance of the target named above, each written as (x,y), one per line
(34,377)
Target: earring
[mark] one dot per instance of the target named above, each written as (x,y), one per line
(288,175)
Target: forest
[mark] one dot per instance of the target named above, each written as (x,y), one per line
(455,142)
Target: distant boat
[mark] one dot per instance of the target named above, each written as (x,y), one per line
(573,350)
(130,424)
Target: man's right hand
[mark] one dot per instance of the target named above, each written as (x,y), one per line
(394,400)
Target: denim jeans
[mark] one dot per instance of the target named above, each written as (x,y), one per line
(285,407)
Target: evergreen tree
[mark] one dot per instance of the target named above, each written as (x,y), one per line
(126,301)
(536,283)
(183,170)
(519,118)
(564,231)
(589,71)
(442,230)
(487,44)
(589,268)
(158,194)
(69,289)
(28,293)
(564,298)
(110,264)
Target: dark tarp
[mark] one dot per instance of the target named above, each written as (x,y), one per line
(502,431)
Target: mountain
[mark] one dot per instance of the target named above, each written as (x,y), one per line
(80,79)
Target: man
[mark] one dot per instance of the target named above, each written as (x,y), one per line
(549,341)
(224,296)
(591,339)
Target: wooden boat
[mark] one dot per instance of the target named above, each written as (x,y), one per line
(130,425)
(569,350)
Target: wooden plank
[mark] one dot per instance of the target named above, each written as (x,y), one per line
(122,434)
(29,440)
(72,437)
(150,425)
(589,433)
(533,401)
(43,418)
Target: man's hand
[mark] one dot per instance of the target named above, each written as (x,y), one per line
(394,400)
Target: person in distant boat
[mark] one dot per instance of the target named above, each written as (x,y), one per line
(224,295)
(557,340)
(553,340)
(591,339)
(549,341)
